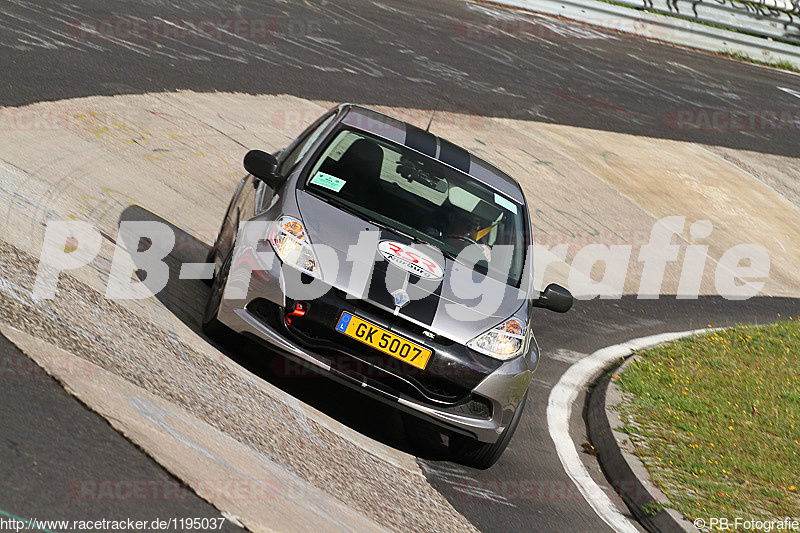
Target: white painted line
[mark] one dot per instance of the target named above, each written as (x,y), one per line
(790,91)
(559,410)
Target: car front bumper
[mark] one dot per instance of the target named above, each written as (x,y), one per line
(480,394)
(486,430)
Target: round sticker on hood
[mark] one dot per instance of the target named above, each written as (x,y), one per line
(411,260)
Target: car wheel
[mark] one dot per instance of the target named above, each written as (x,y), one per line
(212,327)
(210,259)
(482,455)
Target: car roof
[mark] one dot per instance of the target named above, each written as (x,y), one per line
(431,145)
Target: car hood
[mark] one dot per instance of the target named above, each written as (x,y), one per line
(364,273)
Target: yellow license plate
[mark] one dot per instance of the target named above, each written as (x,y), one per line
(383,341)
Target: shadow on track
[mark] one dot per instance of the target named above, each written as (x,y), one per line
(185,299)
(591,325)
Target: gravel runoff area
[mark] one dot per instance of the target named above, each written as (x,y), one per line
(83,322)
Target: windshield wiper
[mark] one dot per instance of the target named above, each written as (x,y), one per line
(372,220)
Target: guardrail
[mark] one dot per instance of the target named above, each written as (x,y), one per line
(783,5)
(755,5)
(764,30)
(776,19)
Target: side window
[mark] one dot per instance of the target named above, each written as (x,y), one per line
(303,146)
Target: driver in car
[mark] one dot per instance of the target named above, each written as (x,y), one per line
(465,228)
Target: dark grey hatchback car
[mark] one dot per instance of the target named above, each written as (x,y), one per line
(393,261)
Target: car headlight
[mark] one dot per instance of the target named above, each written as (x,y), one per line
(501,342)
(290,241)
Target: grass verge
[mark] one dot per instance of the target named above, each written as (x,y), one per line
(716,420)
(786,65)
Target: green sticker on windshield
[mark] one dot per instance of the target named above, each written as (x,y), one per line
(503,202)
(329,182)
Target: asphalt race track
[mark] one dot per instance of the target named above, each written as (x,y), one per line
(412,54)
(416,55)
(38,413)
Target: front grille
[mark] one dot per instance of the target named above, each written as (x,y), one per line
(440,387)
(451,374)
(338,350)
(477,406)
(265,311)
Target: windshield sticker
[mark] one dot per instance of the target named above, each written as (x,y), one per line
(329,182)
(502,202)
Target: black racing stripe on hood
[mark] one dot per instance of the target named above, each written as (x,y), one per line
(420,140)
(387,278)
(453,155)
(423,309)
(381,287)
(378,292)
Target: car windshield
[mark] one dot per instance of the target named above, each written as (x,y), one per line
(408,192)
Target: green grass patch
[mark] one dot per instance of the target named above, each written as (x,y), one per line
(786,65)
(716,420)
(652,508)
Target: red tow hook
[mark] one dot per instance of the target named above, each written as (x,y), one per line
(300,309)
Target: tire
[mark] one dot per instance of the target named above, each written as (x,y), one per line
(210,259)
(482,455)
(212,327)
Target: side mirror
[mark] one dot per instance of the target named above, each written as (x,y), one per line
(263,166)
(555,298)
